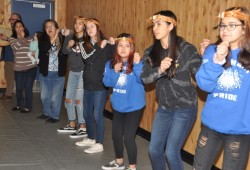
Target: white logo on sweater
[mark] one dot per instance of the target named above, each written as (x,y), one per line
(229,80)
(122,80)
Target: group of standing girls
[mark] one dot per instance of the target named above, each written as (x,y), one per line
(223,74)
(97,63)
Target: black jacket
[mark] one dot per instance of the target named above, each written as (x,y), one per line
(44,46)
(179,91)
(94,67)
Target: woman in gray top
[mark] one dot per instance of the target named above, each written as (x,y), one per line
(74,92)
(170,61)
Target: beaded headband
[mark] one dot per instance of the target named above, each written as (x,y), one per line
(94,21)
(81,19)
(162,17)
(235,13)
(130,40)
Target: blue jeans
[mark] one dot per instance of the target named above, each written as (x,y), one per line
(169,131)
(75,92)
(210,143)
(24,83)
(94,103)
(51,93)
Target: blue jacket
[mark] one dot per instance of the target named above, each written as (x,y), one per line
(227,109)
(8,54)
(128,90)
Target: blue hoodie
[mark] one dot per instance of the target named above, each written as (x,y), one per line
(128,90)
(227,109)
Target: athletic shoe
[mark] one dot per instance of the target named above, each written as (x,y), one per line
(113,165)
(52,120)
(25,110)
(67,128)
(16,108)
(79,133)
(95,148)
(42,116)
(86,142)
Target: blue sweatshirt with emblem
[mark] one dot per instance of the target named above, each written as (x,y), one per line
(227,109)
(128,90)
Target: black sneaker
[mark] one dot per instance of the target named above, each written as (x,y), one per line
(52,120)
(16,108)
(67,129)
(25,110)
(79,133)
(113,165)
(42,116)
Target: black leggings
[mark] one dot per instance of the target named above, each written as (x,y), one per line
(124,129)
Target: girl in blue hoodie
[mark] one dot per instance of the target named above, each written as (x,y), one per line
(122,73)
(224,75)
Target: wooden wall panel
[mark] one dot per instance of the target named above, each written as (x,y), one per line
(196,19)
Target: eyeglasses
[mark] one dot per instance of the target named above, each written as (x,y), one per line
(50,27)
(230,27)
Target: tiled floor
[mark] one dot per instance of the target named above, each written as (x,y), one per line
(27,143)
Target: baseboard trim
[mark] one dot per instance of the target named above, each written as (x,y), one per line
(186,156)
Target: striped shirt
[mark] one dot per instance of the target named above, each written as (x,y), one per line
(20,47)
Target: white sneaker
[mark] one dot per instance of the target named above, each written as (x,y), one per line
(86,142)
(95,148)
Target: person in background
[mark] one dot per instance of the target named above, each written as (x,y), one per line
(74,92)
(224,75)
(34,51)
(122,74)
(170,61)
(96,51)
(8,58)
(25,70)
(52,68)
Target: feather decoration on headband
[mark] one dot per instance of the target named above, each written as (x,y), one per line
(130,40)
(162,17)
(94,21)
(235,13)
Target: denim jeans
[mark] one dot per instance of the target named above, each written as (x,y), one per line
(169,131)
(94,103)
(51,93)
(75,92)
(210,144)
(24,84)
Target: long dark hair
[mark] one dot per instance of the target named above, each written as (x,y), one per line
(100,36)
(14,33)
(173,49)
(79,39)
(117,58)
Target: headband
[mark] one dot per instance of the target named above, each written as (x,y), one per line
(235,13)
(81,19)
(94,21)
(130,40)
(162,17)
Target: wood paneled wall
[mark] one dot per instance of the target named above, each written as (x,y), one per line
(196,19)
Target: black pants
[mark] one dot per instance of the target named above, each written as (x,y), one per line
(124,129)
